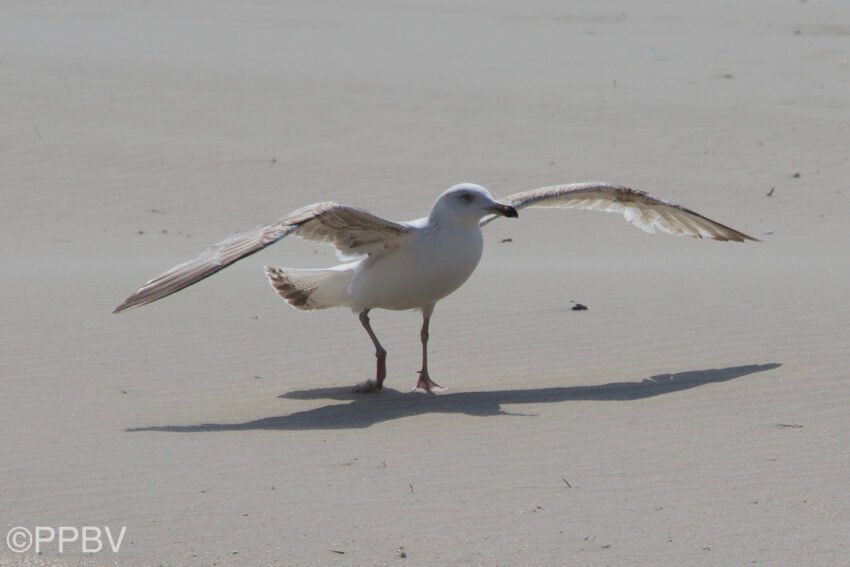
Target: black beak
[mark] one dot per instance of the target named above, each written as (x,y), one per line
(504,210)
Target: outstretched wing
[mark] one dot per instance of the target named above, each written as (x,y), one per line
(352,231)
(646,212)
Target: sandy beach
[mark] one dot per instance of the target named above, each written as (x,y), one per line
(695,414)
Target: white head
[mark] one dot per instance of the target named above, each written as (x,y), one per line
(466,204)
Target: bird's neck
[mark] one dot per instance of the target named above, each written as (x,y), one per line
(438,221)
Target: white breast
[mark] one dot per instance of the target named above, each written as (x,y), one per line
(431,265)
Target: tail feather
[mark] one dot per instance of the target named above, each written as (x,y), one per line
(308,290)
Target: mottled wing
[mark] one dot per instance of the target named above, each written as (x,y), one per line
(646,212)
(352,231)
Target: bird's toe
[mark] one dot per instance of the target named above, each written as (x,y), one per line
(427,386)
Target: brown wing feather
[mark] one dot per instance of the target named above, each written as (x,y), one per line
(352,231)
(648,213)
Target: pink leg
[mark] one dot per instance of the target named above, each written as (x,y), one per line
(380,354)
(425,384)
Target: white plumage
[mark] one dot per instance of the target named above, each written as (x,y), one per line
(412,265)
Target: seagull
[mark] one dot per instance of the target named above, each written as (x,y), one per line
(412,265)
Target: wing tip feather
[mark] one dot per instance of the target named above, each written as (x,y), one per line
(132,302)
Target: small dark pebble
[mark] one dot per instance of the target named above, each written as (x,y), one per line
(337,552)
(507,240)
(579,307)
(141,232)
(796,175)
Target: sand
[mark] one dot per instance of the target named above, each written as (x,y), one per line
(695,414)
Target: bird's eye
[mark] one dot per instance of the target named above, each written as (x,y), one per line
(466,197)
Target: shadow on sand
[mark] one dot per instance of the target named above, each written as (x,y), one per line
(364,410)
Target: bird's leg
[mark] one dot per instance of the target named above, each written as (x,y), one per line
(425,383)
(380,354)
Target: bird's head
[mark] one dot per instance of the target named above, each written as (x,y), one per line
(467,204)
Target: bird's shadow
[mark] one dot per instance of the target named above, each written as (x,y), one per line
(365,410)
